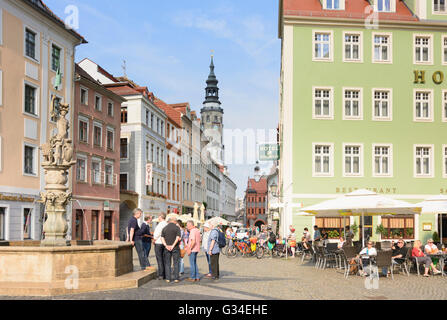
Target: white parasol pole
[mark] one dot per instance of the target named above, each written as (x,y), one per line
(363,229)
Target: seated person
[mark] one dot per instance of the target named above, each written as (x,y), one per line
(399,254)
(421,258)
(341,243)
(305,243)
(366,255)
(431,248)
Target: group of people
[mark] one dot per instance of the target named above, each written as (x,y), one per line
(173,241)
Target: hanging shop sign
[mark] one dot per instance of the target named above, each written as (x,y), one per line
(268,152)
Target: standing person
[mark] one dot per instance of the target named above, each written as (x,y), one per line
(171,237)
(193,249)
(205,237)
(182,244)
(291,239)
(307,235)
(214,251)
(159,248)
(133,231)
(349,236)
(146,236)
(317,234)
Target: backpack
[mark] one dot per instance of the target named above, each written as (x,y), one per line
(272,238)
(221,241)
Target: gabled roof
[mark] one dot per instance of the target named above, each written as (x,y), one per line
(40,6)
(182,107)
(354,9)
(259,187)
(172,114)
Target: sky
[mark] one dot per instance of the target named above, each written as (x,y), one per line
(167,47)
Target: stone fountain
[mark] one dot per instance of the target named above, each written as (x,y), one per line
(55,265)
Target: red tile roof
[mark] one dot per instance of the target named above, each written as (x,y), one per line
(259,187)
(182,107)
(354,9)
(172,114)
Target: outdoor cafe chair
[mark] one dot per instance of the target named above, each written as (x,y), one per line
(403,262)
(384,260)
(350,253)
(386,245)
(308,252)
(328,257)
(332,248)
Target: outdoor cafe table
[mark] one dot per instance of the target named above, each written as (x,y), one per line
(441,256)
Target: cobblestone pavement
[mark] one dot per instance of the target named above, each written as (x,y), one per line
(250,278)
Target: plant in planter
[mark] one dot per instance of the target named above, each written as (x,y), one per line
(333,234)
(355,228)
(409,232)
(381,230)
(396,233)
(435,237)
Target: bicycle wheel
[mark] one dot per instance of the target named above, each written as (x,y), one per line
(232,252)
(259,252)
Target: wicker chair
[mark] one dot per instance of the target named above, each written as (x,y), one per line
(350,253)
(384,260)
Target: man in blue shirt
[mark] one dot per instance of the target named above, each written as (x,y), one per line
(214,251)
(146,236)
(317,234)
(133,235)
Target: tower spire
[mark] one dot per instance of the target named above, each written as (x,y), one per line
(212,90)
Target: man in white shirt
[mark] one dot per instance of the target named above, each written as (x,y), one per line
(159,247)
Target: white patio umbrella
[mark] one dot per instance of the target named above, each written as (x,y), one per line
(435,205)
(236,224)
(360,203)
(219,221)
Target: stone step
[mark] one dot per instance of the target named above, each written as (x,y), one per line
(38,289)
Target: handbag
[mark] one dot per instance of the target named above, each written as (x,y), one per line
(182,253)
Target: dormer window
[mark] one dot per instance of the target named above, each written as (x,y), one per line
(385,5)
(334,4)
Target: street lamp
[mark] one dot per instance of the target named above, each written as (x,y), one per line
(274,190)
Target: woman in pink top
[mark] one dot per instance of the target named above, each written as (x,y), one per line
(193,249)
(419,255)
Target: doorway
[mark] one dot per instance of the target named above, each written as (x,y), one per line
(442,225)
(107,225)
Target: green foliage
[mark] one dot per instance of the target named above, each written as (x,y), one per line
(355,228)
(396,233)
(205,205)
(435,237)
(409,232)
(381,230)
(333,234)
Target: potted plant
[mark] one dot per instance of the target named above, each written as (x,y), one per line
(355,228)
(409,232)
(381,230)
(435,237)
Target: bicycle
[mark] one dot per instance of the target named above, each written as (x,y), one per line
(246,248)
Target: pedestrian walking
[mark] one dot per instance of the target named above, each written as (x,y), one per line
(133,232)
(159,247)
(193,249)
(205,237)
(171,237)
(214,251)
(146,236)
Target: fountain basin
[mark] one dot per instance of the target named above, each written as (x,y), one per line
(27,269)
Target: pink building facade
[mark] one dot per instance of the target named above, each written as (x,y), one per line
(95,184)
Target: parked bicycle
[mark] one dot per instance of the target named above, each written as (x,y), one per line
(246,248)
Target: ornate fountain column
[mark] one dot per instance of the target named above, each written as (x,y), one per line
(58,159)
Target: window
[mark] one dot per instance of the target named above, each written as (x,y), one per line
(439,6)
(353,47)
(444,156)
(98,103)
(158,156)
(423,161)
(444,50)
(79,223)
(353,104)
(124,115)
(322,159)
(110,139)
(110,109)
(83,130)
(30,160)
(81,168)
(382,161)
(322,46)
(123,149)
(382,48)
(97,135)
(2,223)
(55,58)
(123,181)
(147,117)
(382,104)
(95,225)
(444,105)
(84,96)
(152,121)
(30,100)
(423,106)
(96,172)
(395,228)
(333,4)
(352,160)
(30,43)
(152,153)
(162,132)
(109,174)
(147,151)
(384,5)
(158,125)
(333,226)
(322,103)
(27,223)
(422,49)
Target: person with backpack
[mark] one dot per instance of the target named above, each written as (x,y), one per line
(271,241)
(216,241)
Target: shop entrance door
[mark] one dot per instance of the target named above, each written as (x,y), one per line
(107,225)
(442,227)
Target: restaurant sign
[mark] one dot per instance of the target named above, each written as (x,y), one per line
(15,198)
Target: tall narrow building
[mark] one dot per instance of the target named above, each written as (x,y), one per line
(212,117)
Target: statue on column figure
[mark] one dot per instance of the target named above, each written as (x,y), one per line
(57,161)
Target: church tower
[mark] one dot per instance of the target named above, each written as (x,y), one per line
(212,117)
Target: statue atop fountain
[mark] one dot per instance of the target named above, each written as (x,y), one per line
(58,159)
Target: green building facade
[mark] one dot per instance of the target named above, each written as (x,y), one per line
(363,106)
